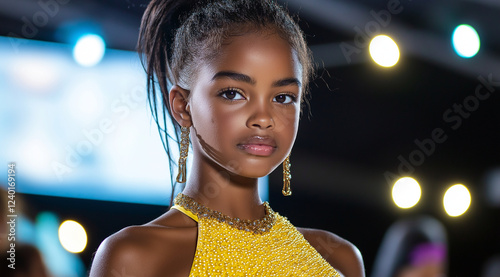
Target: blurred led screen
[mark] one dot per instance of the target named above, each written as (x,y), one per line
(76,131)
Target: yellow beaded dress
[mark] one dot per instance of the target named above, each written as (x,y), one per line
(270,246)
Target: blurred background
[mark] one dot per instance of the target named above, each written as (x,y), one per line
(403,89)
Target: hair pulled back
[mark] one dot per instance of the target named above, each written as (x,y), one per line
(177,35)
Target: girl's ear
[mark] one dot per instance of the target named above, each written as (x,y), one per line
(178,99)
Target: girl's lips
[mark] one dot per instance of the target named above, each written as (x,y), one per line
(258,145)
(257,149)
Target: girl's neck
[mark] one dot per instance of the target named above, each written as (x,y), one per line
(219,190)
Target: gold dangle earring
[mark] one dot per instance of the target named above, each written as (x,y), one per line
(181,176)
(287,191)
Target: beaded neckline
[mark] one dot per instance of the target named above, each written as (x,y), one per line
(258,226)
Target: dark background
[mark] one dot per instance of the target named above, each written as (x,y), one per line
(363,117)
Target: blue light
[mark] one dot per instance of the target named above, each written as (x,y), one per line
(59,261)
(466,41)
(89,50)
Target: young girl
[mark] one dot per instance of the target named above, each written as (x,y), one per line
(233,75)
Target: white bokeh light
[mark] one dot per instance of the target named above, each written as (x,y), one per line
(35,74)
(34,149)
(384,51)
(85,101)
(89,50)
(456,200)
(466,41)
(406,192)
(72,236)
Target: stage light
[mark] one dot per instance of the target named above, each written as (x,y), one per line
(89,50)
(406,192)
(384,51)
(36,74)
(456,200)
(34,149)
(492,189)
(466,41)
(72,236)
(84,101)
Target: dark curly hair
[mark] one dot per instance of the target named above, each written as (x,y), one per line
(175,36)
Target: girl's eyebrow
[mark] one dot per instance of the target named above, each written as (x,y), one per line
(234,76)
(287,82)
(247,79)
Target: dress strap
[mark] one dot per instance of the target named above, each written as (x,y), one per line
(186,212)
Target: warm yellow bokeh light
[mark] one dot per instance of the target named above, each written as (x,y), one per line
(384,51)
(456,200)
(72,236)
(406,192)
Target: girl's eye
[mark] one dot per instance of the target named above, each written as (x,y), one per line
(232,94)
(285,98)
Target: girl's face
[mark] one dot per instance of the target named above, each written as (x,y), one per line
(245,105)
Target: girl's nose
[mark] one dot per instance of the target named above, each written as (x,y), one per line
(261,118)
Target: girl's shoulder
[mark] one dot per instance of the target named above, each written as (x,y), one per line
(165,246)
(340,253)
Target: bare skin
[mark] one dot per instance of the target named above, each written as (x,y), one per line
(166,247)
(251,90)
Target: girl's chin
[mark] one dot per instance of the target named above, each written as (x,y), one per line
(248,167)
(252,172)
